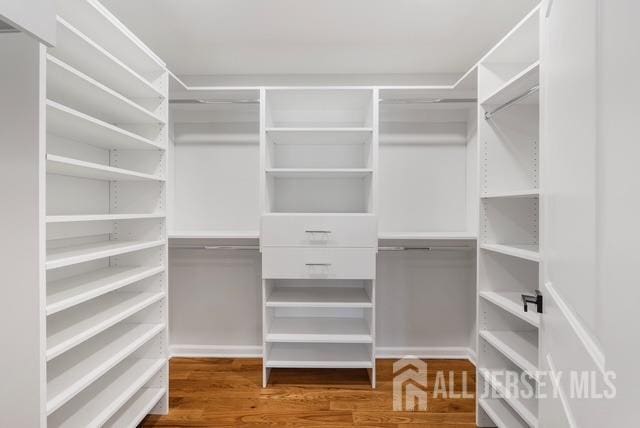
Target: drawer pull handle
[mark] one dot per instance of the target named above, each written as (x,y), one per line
(318,264)
(317,231)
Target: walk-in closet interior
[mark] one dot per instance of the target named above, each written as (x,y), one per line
(311,220)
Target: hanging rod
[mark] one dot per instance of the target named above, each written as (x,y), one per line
(426,100)
(218,101)
(512,101)
(430,248)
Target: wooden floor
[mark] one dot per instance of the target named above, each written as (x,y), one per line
(227,393)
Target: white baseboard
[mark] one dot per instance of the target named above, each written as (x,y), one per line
(244,351)
(216,351)
(433,352)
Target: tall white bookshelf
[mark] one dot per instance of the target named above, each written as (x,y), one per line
(509,228)
(106,239)
(319,227)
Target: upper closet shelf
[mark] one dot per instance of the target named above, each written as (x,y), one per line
(511,302)
(521,251)
(76,49)
(74,125)
(69,86)
(76,168)
(319,172)
(319,136)
(516,86)
(528,193)
(67,256)
(426,236)
(100,217)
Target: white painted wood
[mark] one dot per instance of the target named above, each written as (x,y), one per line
(521,347)
(132,413)
(530,193)
(35,17)
(427,236)
(318,329)
(77,126)
(100,217)
(512,399)
(516,86)
(318,297)
(68,292)
(319,230)
(77,168)
(73,327)
(305,355)
(328,263)
(512,303)
(66,256)
(68,375)
(22,253)
(523,251)
(501,413)
(215,234)
(318,172)
(113,389)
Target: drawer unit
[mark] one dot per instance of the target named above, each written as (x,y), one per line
(323,230)
(339,263)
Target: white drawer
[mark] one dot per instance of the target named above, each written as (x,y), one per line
(319,231)
(340,263)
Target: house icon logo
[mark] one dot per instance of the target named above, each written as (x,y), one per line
(410,384)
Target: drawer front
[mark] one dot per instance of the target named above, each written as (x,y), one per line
(320,231)
(298,263)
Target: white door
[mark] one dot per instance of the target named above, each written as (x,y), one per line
(589,55)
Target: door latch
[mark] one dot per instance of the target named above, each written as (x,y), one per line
(537,300)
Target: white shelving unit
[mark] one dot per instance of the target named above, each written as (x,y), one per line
(106,258)
(318,178)
(508,245)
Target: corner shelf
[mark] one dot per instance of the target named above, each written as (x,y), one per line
(318,330)
(67,256)
(72,374)
(510,301)
(69,330)
(81,169)
(69,292)
(522,251)
(74,125)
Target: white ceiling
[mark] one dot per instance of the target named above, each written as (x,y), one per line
(319,36)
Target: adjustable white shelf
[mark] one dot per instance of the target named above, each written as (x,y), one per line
(214,234)
(510,398)
(67,256)
(77,168)
(132,413)
(318,297)
(319,136)
(71,373)
(319,172)
(522,251)
(512,303)
(106,301)
(75,218)
(319,330)
(69,86)
(99,402)
(517,85)
(68,292)
(501,413)
(318,129)
(427,236)
(521,347)
(76,49)
(526,193)
(70,329)
(314,355)
(74,125)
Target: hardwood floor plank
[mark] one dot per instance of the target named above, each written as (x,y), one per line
(227,392)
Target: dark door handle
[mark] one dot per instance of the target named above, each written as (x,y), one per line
(536,300)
